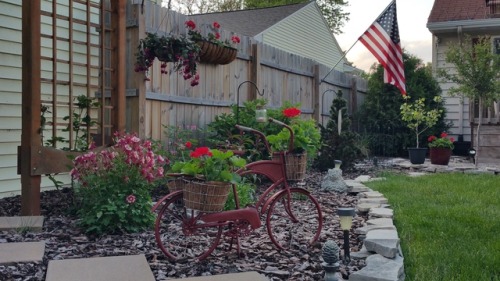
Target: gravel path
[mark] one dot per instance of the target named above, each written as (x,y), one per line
(64,240)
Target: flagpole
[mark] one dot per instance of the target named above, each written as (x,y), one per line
(341,58)
(345,53)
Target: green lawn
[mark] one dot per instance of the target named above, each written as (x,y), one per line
(449,224)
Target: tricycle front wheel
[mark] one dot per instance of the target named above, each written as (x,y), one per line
(181,233)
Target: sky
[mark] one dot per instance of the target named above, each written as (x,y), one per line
(412,20)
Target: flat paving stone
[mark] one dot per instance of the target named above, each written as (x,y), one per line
(119,268)
(21,252)
(375,200)
(380,221)
(366,207)
(31,223)
(380,213)
(370,194)
(243,276)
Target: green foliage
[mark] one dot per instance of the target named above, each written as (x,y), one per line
(211,165)
(380,115)
(113,186)
(347,147)
(445,224)
(246,195)
(306,137)
(418,116)
(442,142)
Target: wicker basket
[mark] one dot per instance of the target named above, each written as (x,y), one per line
(213,53)
(176,184)
(206,196)
(296,165)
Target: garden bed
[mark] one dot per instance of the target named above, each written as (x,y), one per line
(64,240)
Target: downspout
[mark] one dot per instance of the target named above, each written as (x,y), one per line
(461,106)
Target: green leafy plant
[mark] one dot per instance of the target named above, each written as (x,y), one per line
(417,117)
(177,49)
(347,146)
(442,142)
(114,185)
(246,195)
(210,165)
(307,137)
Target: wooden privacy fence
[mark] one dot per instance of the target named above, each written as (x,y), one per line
(90,49)
(169,100)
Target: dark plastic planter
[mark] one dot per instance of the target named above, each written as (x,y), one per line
(417,155)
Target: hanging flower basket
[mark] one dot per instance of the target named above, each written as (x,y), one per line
(205,196)
(296,165)
(216,54)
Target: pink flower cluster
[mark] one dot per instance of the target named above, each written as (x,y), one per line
(128,148)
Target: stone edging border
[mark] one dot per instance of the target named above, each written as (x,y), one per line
(381,244)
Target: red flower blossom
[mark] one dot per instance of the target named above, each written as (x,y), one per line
(216,24)
(188,144)
(444,134)
(130,199)
(190,24)
(235,39)
(217,35)
(201,151)
(431,138)
(291,112)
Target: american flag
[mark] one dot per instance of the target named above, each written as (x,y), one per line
(382,39)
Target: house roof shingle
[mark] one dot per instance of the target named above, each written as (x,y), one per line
(456,10)
(249,22)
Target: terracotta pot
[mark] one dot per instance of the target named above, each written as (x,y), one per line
(440,156)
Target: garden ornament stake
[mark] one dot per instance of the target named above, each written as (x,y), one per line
(238,97)
(331,257)
(346,215)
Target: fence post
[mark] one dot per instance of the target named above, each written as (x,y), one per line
(255,70)
(353,104)
(118,64)
(316,94)
(31,101)
(137,104)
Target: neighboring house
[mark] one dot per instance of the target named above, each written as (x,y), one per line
(449,21)
(11,75)
(298,29)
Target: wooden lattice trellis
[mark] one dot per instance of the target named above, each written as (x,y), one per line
(34,158)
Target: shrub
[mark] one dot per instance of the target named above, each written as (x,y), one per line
(114,186)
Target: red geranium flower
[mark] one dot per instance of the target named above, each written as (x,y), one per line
(444,134)
(291,112)
(201,151)
(216,24)
(235,39)
(190,24)
(431,138)
(217,35)
(188,144)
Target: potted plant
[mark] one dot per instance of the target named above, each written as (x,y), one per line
(212,48)
(179,50)
(418,118)
(440,149)
(306,141)
(211,173)
(114,185)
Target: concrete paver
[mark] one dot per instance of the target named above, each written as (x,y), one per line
(21,252)
(119,268)
(31,223)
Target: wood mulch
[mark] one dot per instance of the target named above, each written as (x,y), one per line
(65,240)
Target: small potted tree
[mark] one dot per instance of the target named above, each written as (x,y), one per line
(418,118)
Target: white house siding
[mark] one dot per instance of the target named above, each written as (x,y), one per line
(298,32)
(10,79)
(457,112)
